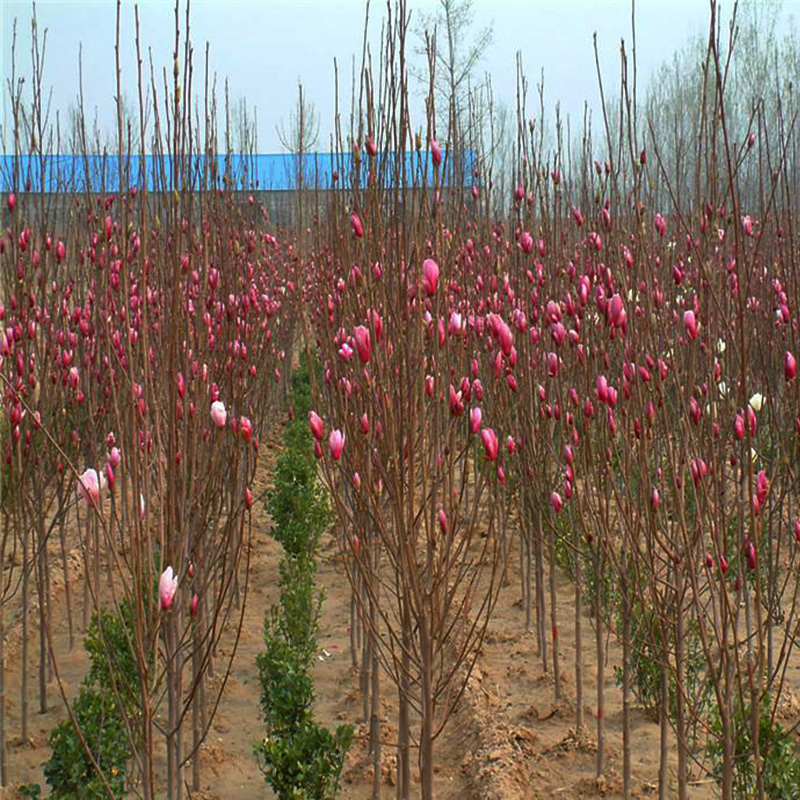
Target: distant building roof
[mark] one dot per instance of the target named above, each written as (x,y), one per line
(258,172)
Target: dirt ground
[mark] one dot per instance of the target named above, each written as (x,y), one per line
(508,738)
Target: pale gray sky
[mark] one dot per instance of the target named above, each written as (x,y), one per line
(264,46)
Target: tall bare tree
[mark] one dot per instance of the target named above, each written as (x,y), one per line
(299,138)
(458,51)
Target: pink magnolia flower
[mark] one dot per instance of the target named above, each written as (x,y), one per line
(789,366)
(738,426)
(355,224)
(167,586)
(490,444)
(114,457)
(218,413)
(698,470)
(246,428)
(750,555)
(345,351)
(556,502)
(363,346)
(455,402)
(316,425)
(336,444)
(436,153)
(475,419)
(762,487)
(442,517)
(89,486)
(655,499)
(110,477)
(691,324)
(526,242)
(502,333)
(430,276)
(616,312)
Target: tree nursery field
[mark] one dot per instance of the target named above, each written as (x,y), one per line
(480,478)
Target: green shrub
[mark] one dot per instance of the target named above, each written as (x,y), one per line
(113,663)
(69,772)
(780,759)
(108,696)
(307,765)
(301,759)
(297,504)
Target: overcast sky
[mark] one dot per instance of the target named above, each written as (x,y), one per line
(264,46)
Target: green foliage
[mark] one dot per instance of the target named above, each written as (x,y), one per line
(308,765)
(301,759)
(298,504)
(113,663)
(646,658)
(780,758)
(301,389)
(109,695)
(287,691)
(69,772)
(301,604)
(564,551)
(647,648)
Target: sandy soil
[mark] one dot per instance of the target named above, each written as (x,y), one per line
(508,738)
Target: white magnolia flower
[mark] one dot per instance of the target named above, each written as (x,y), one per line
(756,401)
(721,346)
(722,388)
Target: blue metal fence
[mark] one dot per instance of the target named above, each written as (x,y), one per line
(260,172)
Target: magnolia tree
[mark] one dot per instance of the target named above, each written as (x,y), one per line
(412,460)
(142,348)
(662,345)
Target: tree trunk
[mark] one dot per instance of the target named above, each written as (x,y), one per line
(601,658)
(626,683)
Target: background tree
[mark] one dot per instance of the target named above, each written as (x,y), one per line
(458,51)
(300,137)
